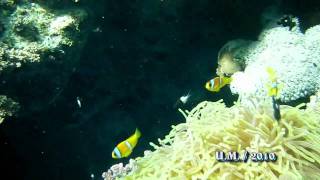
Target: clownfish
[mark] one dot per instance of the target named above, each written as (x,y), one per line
(273,87)
(124,149)
(273,91)
(215,84)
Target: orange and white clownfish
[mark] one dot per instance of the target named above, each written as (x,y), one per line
(215,84)
(124,149)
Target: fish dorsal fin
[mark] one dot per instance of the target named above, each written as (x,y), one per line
(272,74)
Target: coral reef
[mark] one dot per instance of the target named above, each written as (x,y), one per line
(118,170)
(293,55)
(7,3)
(188,152)
(8,107)
(41,42)
(32,32)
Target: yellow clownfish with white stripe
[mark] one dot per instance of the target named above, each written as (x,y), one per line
(273,87)
(273,91)
(215,84)
(124,149)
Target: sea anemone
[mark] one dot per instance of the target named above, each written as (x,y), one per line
(294,55)
(188,151)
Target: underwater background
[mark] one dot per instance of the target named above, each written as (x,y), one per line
(135,60)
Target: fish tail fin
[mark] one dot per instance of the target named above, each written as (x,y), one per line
(137,133)
(228,80)
(272,73)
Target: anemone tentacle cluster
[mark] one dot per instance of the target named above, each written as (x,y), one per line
(188,151)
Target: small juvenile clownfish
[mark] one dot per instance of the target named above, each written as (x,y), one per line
(273,91)
(124,149)
(215,84)
(273,87)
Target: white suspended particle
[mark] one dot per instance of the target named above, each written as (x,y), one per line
(92,176)
(78,102)
(184,99)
